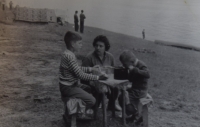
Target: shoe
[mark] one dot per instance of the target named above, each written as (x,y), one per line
(133,118)
(88,115)
(89,112)
(130,119)
(138,121)
(66,119)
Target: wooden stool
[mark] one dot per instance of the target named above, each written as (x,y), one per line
(145,115)
(142,109)
(143,112)
(73,116)
(73,120)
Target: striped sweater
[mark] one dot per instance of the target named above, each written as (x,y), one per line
(70,72)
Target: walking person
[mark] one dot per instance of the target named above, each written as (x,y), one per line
(76,21)
(143,33)
(82,18)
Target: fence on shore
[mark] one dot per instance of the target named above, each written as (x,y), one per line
(34,14)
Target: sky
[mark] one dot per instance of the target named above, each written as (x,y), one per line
(193,5)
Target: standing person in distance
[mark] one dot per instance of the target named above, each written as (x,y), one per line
(11,5)
(82,18)
(143,33)
(76,21)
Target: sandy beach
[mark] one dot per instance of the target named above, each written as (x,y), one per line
(29,62)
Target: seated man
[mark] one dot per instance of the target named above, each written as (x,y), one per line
(101,57)
(138,75)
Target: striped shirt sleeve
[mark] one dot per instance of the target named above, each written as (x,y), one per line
(86,69)
(78,71)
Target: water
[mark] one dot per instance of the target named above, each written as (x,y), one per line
(168,20)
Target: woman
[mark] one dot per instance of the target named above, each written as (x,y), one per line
(101,57)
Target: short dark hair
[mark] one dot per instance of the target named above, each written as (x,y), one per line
(82,11)
(127,55)
(76,11)
(103,39)
(70,37)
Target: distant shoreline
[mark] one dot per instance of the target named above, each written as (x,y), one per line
(177,45)
(159,42)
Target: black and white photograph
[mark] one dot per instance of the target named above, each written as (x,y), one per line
(99,63)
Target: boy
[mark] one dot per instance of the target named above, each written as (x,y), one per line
(70,73)
(138,75)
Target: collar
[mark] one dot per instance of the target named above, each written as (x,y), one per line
(105,54)
(101,60)
(70,52)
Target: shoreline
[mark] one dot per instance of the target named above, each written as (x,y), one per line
(177,45)
(158,42)
(103,31)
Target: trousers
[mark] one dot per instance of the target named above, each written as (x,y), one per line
(81,26)
(80,91)
(76,26)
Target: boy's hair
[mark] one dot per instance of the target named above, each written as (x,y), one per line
(76,11)
(71,37)
(82,11)
(127,55)
(103,39)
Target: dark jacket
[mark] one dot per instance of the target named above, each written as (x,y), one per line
(82,17)
(139,77)
(75,18)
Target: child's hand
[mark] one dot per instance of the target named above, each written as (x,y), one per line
(103,77)
(134,70)
(96,68)
(131,67)
(96,72)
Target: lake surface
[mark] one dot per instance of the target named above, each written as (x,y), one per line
(168,20)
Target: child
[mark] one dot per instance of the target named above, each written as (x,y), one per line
(70,73)
(138,75)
